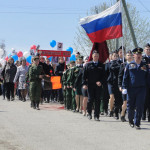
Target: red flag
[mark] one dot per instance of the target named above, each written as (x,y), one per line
(102,50)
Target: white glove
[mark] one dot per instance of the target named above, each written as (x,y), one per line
(124,91)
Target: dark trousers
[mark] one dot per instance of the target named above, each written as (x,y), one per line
(3,89)
(9,89)
(147,104)
(135,104)
(47,94)
(60,95)
(94,93)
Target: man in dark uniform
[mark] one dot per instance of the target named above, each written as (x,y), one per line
(121,55)
(146,59)
(60,68)
(129,58)
(134,84)
(93,75)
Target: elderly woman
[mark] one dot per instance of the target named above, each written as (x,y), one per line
(8,74)
(20,77)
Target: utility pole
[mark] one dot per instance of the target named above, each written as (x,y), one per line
(129,22)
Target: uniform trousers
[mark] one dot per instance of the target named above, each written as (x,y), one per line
(135,103)
(147,104)
(94,93)
(35,92)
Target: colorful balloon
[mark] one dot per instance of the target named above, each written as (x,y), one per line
(50,58)
(33,47)
(29,58)
(70,49)
(6,58)
(53,43)
(15,57)
(26,54)
(19,54)
(73,58)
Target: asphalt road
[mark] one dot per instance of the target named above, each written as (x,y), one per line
(52,128)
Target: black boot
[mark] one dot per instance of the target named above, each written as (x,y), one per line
(123,118)
(111,114)
(37,106)
(33,105)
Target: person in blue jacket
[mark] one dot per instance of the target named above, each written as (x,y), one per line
(134,85)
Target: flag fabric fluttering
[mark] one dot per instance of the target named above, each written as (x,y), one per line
(105,25)
(102,50)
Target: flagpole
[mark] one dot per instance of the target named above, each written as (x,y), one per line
(122,31)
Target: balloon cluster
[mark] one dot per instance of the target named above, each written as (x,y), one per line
(16,55)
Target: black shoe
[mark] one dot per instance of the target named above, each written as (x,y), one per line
(96,119)
(111,113)
(12,99)
(137,127)
(102,113)
(143,118)
(37,108)
(8,99)
(116,116)
(89,117)
(34,107)
(123,118)
(148,119)
(74,111)
(131,123)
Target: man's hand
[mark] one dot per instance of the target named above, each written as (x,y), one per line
(74,89)
(64,87)
(98,83)
(148,65)
(71,86)
(41,76)
(120,89)
(68,86)
(85,87)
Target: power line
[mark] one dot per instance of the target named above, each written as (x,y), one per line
(41,13)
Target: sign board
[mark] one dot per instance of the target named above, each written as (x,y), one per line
(59,46)
(54,53)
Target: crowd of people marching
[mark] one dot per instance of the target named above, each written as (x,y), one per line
(119,86)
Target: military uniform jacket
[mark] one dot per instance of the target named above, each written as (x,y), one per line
(121,73)
(146,60)
(74,75)
(112,71)
(135,76)
(65,77)
(93,73)
(34,72)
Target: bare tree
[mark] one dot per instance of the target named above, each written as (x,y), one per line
(141,27)
(2,46)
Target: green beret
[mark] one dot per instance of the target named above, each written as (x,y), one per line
(35,57)
(72,62)
(79,57)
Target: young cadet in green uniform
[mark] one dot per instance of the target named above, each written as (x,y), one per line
(78,89)
(36,74)
(68,87)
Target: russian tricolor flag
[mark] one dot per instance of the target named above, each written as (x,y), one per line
(104,26)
